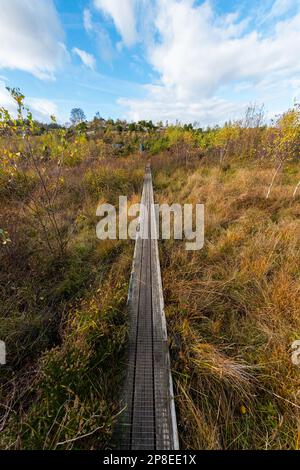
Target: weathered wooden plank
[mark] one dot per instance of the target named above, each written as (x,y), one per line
(149,421)
(143,428)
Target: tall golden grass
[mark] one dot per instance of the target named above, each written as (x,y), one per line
(233,308)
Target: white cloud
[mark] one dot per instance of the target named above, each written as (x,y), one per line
(87,20)
(281,7)
(6,100)
(208,54)
(123,14)
(31,37)
(87,59)
(202,57)
(99,36)
(41,108)
(161,105)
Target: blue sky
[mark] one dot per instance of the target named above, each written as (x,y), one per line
(153,59)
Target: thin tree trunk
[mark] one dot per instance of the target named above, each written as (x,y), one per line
(273,180)
(296,189)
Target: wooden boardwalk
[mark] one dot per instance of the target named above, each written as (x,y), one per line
(149,419)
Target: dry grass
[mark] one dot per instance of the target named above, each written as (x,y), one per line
(233,308)
(63,317)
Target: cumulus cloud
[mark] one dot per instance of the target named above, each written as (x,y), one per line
(123,14)
(211,53)
(31,37)
(87,59)
(202,56)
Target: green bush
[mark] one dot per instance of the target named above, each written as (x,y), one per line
(158,145)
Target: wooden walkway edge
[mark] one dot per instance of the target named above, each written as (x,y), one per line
(149,419)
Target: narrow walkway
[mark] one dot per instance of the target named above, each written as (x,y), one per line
(149,420)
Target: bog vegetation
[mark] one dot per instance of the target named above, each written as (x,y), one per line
(232,308)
